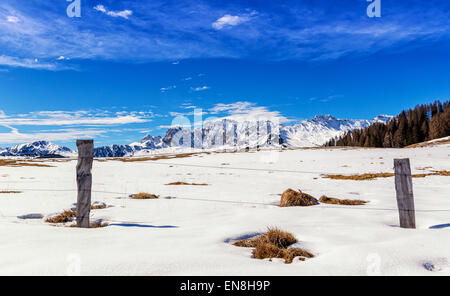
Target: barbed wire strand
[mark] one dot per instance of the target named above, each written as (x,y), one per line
(321,206)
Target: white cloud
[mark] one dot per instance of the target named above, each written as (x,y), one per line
(247,111)
(15,136)
(123,14)
(60,58)
(66,118)
(12,19)
(66,125)
(25,63)
(164,89)
(231,108)
(200,88)
(230,21)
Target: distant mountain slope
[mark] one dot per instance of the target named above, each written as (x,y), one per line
(222,133)
(38,148)
(423,123)
(320,129)
(147,143)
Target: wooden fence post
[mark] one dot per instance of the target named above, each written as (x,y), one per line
(84,181)
(404,189)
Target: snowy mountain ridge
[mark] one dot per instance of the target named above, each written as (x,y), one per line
(222,133)
(38,148)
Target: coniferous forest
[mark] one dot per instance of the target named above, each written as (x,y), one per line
(423,123)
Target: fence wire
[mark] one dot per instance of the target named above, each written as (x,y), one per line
(321,205)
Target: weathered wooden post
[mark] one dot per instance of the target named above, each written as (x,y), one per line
(84,181)
(405,197)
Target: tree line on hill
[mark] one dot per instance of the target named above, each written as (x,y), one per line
(423,123)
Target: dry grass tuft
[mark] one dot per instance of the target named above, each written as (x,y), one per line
(383,175)
(291,198)
(273,236)
(98,206)
(439,173)
(185,183)
(64,217)
(359,177)
(17,163)
(9,192)
(429,143)
(337,201)
(274,244)
(143,195)
(266,250)
(291,253)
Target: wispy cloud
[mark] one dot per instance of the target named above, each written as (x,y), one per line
(12,19)
(230,21)
(200,88)
(164,89)
(15,137)
(123,14)
(60,118)
(65,125)
(239,111)
(25,63)
(299,31)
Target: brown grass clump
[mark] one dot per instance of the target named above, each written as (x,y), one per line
(359,177)
(291,198)
(143,195)
(185,183)
(429,143)
(274,244)
(64,217)
(98,206)
(383,175)
(274,236)
(337,201)
(440,173)
(17,163)
(9,192)
(291,253)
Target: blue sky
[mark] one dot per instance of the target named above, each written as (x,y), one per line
(127,68)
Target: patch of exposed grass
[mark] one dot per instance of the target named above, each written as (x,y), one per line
(372,176)
(439,173)
(429,143)
(359,177)
(185,183)
(143,195)
(17,163)
(64,217)
(9,192)
(337,201)
(98,206)
(292,198)
(275,236)
(274,244)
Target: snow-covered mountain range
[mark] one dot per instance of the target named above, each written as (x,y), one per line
(219,134)
(39,148)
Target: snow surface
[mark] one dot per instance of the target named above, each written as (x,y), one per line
(191,232)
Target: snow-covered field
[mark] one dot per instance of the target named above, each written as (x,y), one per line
(191,232)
